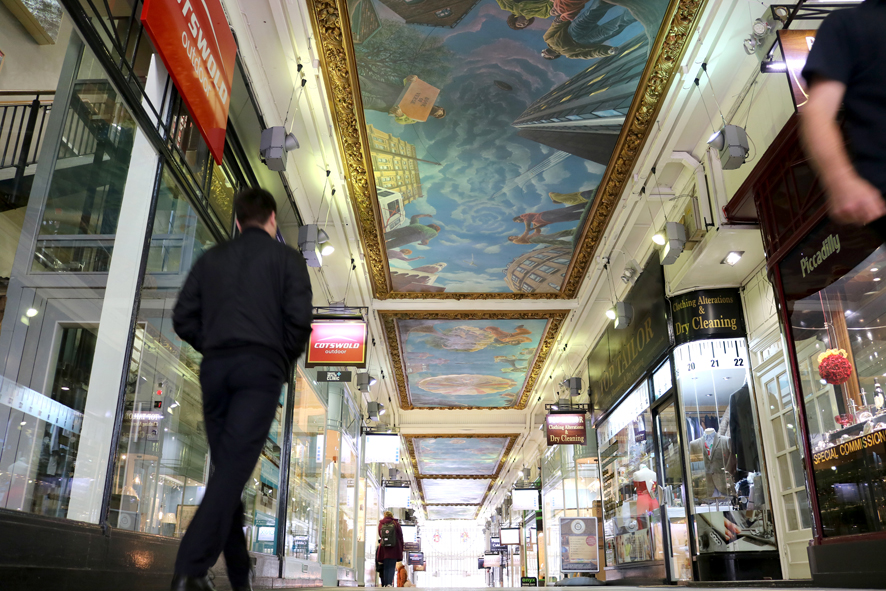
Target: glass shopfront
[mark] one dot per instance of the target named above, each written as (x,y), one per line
(836,306)
(727,483)
(631,519)
(571,489)
(305,472)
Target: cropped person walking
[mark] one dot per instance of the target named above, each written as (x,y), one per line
(390,550)
(847,64)
(246,306)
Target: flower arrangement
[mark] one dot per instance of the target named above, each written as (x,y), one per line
(834,367)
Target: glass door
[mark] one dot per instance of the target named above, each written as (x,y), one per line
(672,494)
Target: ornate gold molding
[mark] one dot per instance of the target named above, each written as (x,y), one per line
(332,26)
(555,320)
(410,449)
(421,491)
(665,55)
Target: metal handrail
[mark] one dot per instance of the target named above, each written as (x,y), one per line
(26,92)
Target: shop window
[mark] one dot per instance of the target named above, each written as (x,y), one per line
(262,490)
(305,472)
(662,381)
(43,432)
(221,194)
(76,232)
(726,473)
(845,412)
(162,460)
(632,522)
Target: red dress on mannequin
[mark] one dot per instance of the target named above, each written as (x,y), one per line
(645,501)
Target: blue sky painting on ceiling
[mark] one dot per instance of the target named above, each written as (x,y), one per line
(518,108)
(468,363)
(448,490)
(457,456)
(444,512)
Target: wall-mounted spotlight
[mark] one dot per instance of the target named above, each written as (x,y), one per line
(623,313)
(732,143)
(314,244)
(674,237)
(630,272)
(275,143)
(374,410)
(365,381)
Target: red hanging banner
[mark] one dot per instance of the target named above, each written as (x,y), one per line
(198,49)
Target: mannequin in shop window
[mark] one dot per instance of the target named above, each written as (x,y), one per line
(715,451)
(645,483)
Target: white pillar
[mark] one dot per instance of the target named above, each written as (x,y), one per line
(110,362)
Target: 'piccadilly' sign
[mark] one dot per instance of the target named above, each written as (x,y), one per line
(337,343)
(566,429)
(198,49)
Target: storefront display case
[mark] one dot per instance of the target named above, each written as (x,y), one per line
(837,313)
(727,488)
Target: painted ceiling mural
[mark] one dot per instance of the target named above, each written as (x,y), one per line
(452,512)
(490,125)
(449,491)
(468,363)
(459,456)
(468,360)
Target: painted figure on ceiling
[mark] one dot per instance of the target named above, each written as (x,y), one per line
(412,233)
(561,238)
(518,337)
(584,37)
(402,255)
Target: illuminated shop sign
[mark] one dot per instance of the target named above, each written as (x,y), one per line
(195,43)
(337,343)
(566,429)
(707,314)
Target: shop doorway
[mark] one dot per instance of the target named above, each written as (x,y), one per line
(451,550)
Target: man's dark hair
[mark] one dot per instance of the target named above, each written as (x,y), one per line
(253,206)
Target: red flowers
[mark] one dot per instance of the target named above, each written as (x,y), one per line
(833,367)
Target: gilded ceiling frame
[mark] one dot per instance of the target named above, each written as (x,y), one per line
(555,320)
(410,449)
(331,23)
(421,491)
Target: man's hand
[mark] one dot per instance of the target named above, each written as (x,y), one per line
(853,200)
(411,78)
(396,112)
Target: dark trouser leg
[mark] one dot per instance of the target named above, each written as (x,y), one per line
(587,30)
(236,554)
(390,570)
(240,396)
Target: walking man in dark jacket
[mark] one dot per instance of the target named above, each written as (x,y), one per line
(390,549)
(246,306)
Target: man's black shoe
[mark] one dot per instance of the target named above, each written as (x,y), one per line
(189,583)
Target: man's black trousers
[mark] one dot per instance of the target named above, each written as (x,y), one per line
(240,398)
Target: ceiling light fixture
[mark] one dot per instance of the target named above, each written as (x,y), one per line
(732,258)
(610,314)
(773,67)
(624,313)
(31,312)
(659,238)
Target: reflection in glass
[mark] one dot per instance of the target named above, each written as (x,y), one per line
(846,422)
(162,461)
(726,473)
(672,494)
(305,472)
(632,521)
(83,205)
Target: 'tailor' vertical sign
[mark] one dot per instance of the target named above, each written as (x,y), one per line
(196,45)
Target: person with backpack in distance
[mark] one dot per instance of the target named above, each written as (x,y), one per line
(390,551)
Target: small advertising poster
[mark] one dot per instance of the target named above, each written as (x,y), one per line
(528,582)
(578,545)
(413,558)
